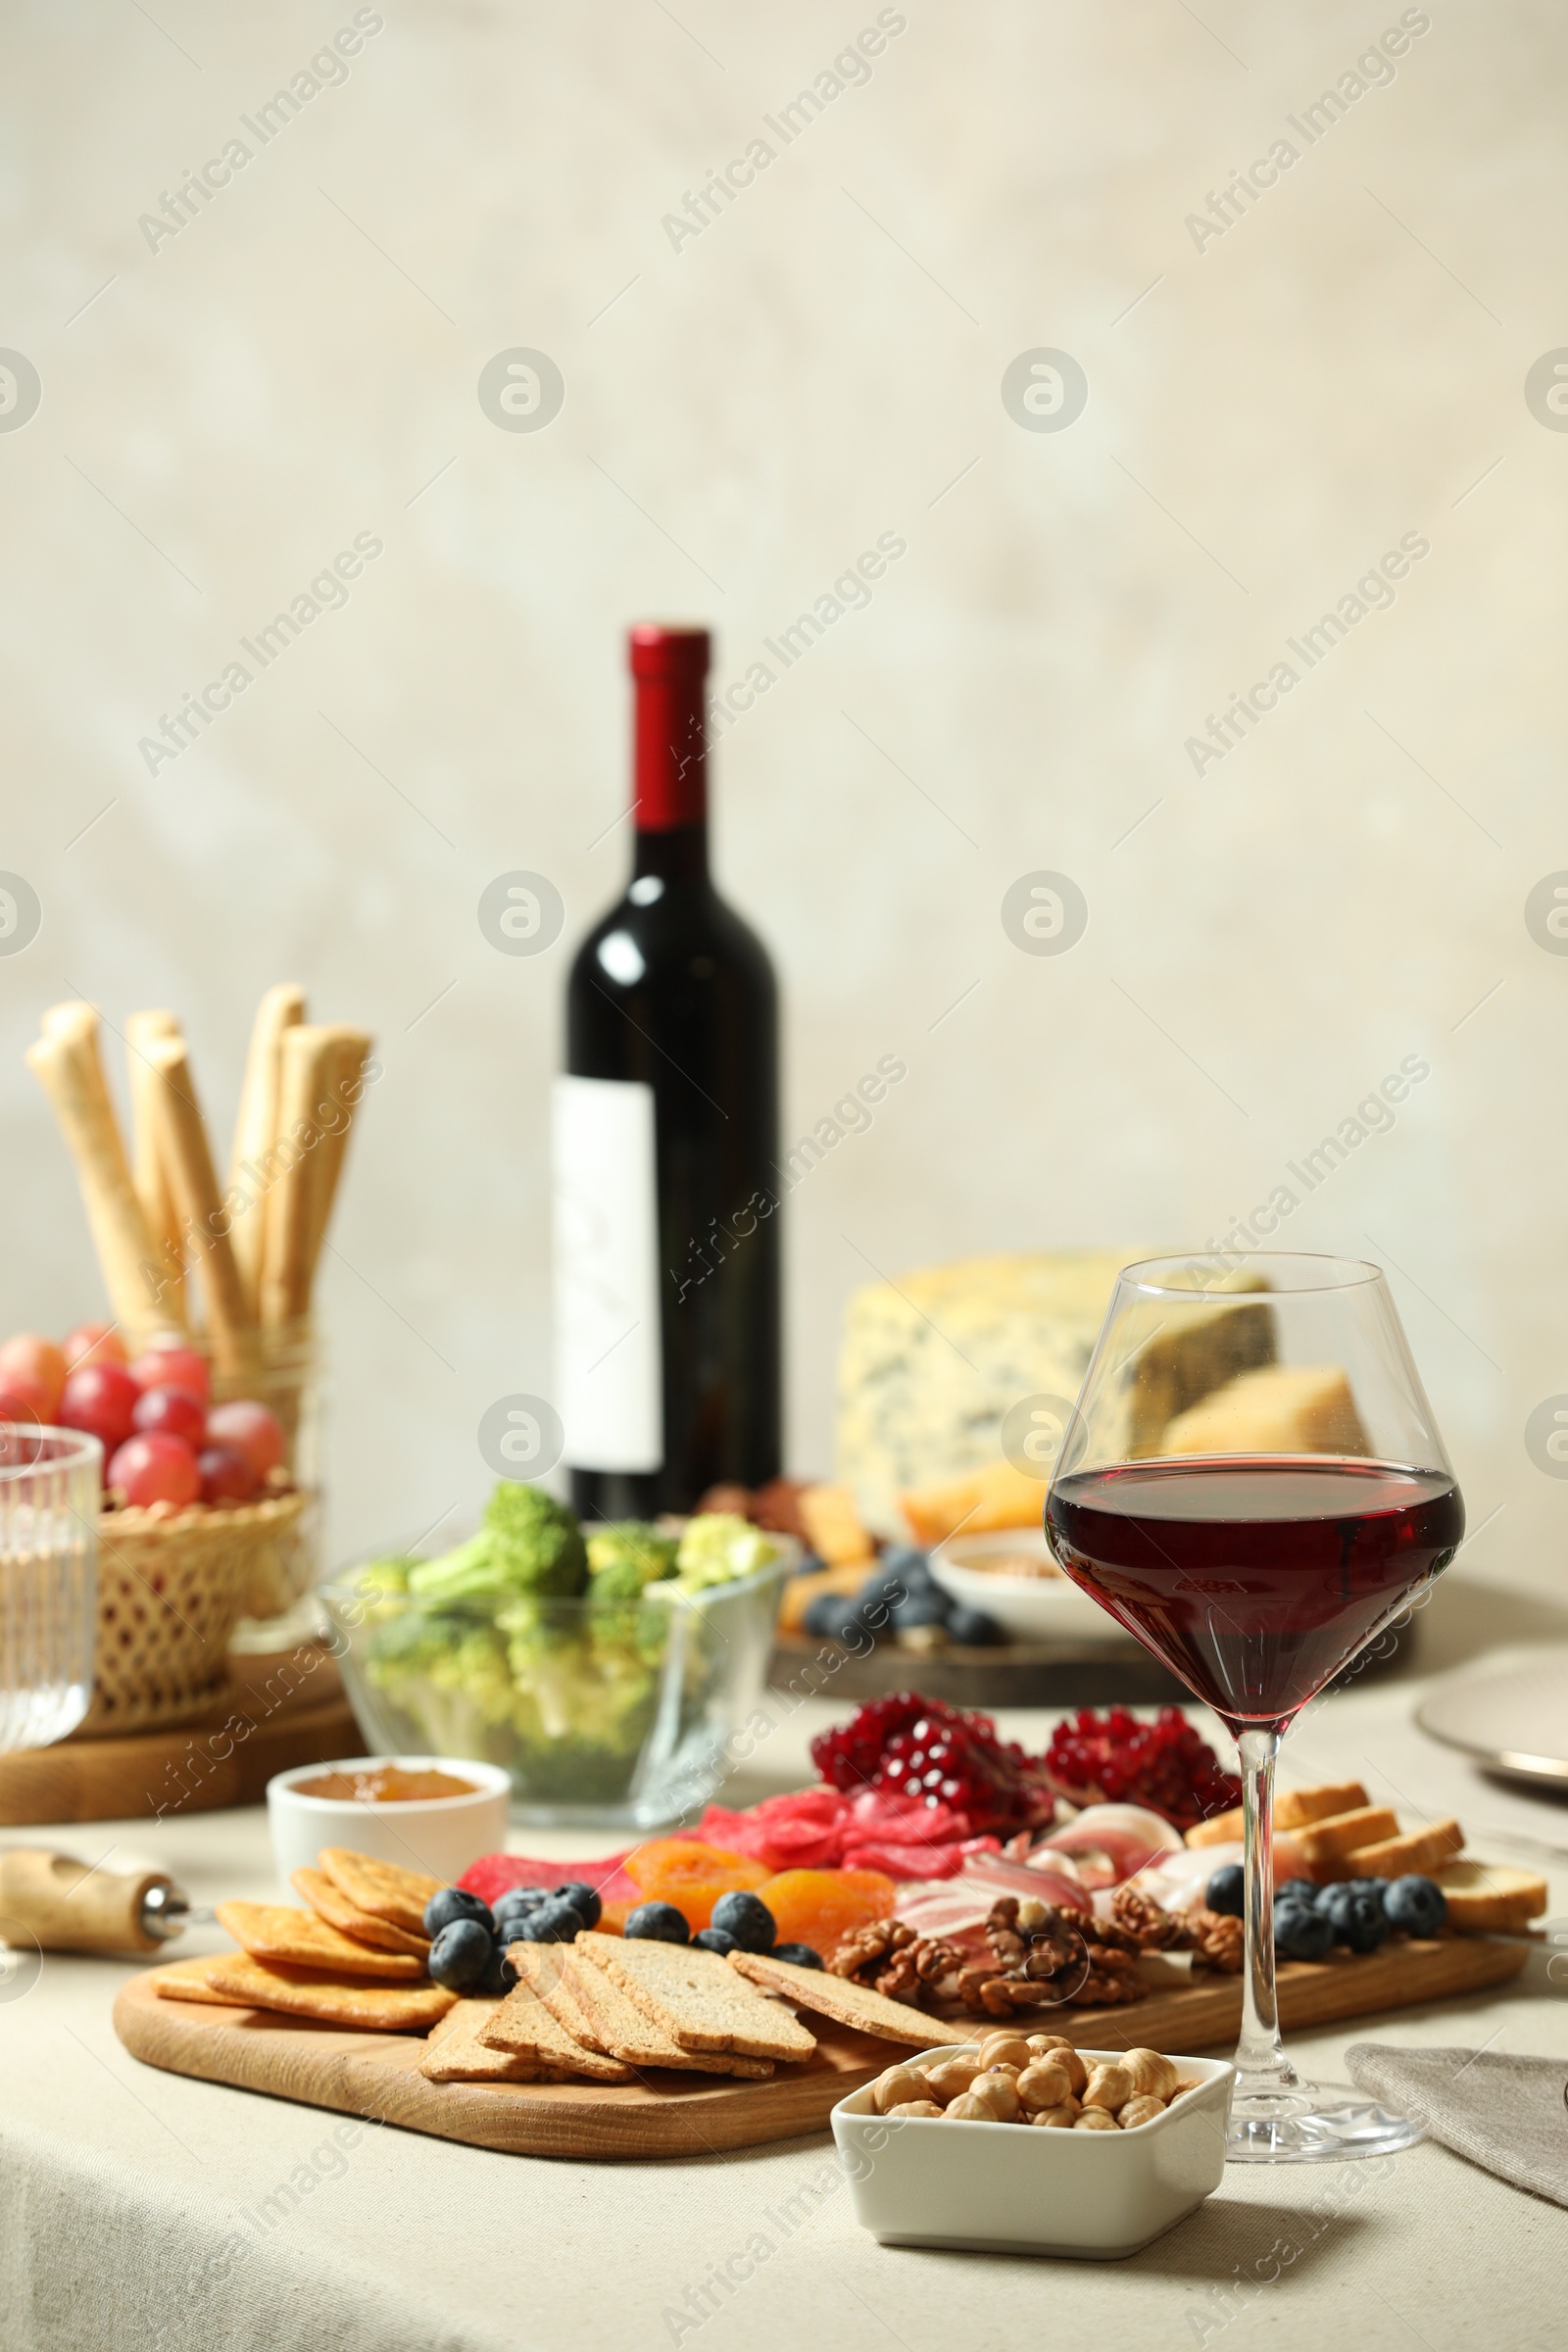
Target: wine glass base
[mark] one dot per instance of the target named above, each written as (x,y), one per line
(1312,2125)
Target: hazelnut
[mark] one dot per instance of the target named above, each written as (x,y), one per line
(1059,2051)
(1060,2118)
(1000,2094)
(1043,2085)
(1094,2119)
(1031,1913)
(1006,2049)
(898,2086)
(917,2107)
(966,2109)
(1041,2042)
(1139,2111)
(951,2078)
(1108,2086)
(1153,2077)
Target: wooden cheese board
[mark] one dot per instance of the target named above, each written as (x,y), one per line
(376,2075)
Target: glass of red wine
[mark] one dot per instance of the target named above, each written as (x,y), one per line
(1252,1484)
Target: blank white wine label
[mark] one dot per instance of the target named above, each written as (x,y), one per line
(608,1356)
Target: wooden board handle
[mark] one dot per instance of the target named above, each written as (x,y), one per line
(66,1907)
(252,1171)
(66,1062)
(183,1146)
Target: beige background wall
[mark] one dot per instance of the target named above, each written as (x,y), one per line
(743,415)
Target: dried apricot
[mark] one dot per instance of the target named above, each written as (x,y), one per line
(820,1907)
(691,1875)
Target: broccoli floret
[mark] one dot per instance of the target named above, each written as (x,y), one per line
(529,1545)
(624,1556)
(719,1548)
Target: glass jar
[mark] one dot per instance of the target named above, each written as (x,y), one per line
(49,1486)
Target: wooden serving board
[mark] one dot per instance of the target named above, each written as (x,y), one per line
(1312,1992)
(292,1708)
(376,2075)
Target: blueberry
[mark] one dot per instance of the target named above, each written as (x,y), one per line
(499,1977)
(460,1954)
(1299,1890)
(1224,1890)
(553,1921)
(1415,1906)
(832,1617)
(909,1566)
(514,1913)
(455,1902)
(660,1921)
(974,1629)
(715,1939)
(919,1608)
(799,1955)
(1301,1933)
(1357,1916)
(583,1900)
(748,1919)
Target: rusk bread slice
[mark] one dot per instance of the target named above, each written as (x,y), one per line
(454,2053)
(299,1940)
(847,2003)
(384,1889)
(1488,1897)
(1343,1834)
(329,1902)
(1421,1851)
(523,2027)
(542,1966)
(1294,1809)
(626,2032)
(696,1999)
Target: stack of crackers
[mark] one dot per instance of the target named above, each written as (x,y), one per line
(606,2008)
(356,1956)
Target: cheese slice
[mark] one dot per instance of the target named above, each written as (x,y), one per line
(932,1362)
(1278,1408)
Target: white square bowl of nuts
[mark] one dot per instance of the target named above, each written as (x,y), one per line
(1122,2143)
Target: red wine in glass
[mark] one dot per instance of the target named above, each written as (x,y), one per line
(1255,1577)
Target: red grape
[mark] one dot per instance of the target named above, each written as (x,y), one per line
(173,1367)
(156,1469)
(173,1410)
(92,1344)
(100,1398)
(252,1431)
(20,1403)
(227,1476)
(28,1362)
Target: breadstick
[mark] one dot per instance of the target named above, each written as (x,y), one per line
(306,1057)
(184,1151)
(347,1056)
(256,1129)
(147,1171)
(66,1064)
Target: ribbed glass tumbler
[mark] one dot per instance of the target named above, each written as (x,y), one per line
(50,1482)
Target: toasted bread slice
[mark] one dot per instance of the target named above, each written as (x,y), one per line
(1275,1408)
(526,2028)
(1220,1829)
(622,2029)
(698,2001)
(1421,1851)
(1487,1896)
(847,2003)
(997,1496)
(1298,1808)
(1331,1841)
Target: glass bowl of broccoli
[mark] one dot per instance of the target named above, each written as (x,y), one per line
(603,1666)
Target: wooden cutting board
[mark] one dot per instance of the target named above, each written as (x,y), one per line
(376,2075)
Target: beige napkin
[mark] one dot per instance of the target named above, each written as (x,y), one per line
(1509,2114)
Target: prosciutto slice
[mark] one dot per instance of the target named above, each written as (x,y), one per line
(1109,1843)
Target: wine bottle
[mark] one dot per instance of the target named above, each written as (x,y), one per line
(666,1188)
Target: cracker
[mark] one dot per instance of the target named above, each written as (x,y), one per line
(620,2027)
(299,1940)
(847,2003)
(542,1966)
(330,2001)
(186,1981)
(384,1889)
(524,2026)
(331,1903)
(696,1999)
(454,2053)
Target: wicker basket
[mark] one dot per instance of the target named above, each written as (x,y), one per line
(170,1591)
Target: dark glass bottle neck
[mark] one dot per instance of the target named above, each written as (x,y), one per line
(676,853)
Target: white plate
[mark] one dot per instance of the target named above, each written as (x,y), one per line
(1005,2189)
(1035,1608)
(1513,1720)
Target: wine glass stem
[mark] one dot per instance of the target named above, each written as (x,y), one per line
(1261,2061)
